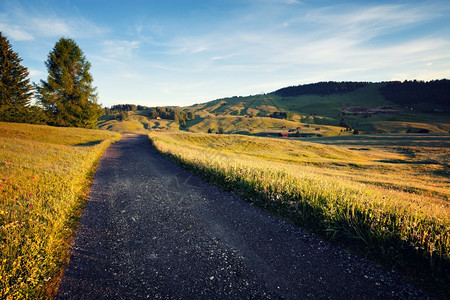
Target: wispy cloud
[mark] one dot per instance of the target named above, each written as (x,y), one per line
(119,48)
(27,24)
(15,32)
(367,22)
(323,35)
(52,27)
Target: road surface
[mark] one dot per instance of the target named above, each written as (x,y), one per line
(153,230)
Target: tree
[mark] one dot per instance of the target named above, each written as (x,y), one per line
(68,96)
(221,131)
(15,87)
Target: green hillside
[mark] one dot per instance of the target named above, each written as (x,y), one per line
(320,113)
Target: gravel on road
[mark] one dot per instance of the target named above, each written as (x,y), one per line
(153,230)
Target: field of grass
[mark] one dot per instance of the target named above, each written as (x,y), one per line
(44,179)
(390,201)
(258,125)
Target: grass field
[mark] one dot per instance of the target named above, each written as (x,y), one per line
(44,179)
(390,200)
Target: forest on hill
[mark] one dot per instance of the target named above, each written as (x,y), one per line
(413,92)
(399,92)
(320,88)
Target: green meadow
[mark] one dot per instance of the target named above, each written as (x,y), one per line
(45,174)
(387,200)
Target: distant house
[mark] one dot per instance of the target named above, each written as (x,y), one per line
(299,128)
(283,127)
(158,118)
(318,128)
(283,134)
(291,130)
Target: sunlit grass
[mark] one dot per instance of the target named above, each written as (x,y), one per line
(44,178)
(388,201)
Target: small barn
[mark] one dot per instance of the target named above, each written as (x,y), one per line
(283,134)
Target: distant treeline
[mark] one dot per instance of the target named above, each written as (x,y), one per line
(123,107)
(320,88)
(412,92)
(169,113)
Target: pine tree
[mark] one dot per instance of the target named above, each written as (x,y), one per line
(15,87)
(68,96)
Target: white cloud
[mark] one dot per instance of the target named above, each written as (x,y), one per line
(15,33)
(368,21)
(25,24)
(119,48)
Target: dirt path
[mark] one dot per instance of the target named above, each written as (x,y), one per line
(153,230)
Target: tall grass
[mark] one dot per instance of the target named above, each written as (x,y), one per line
(351,196)
(44,178)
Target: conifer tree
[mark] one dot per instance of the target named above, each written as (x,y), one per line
(15,87)
(68,96)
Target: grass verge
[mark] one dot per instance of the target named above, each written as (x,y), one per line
(45,174)
(383,202)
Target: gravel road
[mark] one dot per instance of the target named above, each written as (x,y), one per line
(153,230)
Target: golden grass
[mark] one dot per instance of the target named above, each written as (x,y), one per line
(44,178)
(135,123)
(391,201)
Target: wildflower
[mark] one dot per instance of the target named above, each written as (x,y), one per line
(31,194)
(31,205)
(1,185)
(7,162)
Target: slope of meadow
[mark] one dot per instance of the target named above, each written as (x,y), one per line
(44,177)
(326,110)
(387,200)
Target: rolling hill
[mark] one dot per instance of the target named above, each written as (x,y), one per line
(320,109)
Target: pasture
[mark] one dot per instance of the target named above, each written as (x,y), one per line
(45,174)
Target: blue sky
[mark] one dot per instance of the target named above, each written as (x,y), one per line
(176,52)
